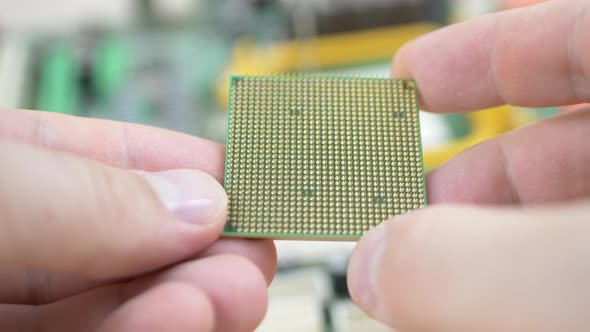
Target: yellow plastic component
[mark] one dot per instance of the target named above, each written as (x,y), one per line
(484,125)
(337,50)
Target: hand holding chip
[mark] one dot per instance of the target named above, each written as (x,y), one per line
(519,261)
(86,244)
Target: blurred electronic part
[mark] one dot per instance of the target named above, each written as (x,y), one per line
(298,296)
(15,61)
(135,77)
(313,280)
(439,131)
(482,125)
(347,317)
(339,16)
(295,313)
(522,116)
(292,253)
(58,88)
(260,20)
(465,9)
(337,265)
(155,14)
(111,67)
(175,10)
(53,16)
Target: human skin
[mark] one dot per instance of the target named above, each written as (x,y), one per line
(504,245)
(516,262)
(90,243)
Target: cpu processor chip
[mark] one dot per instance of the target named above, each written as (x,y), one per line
(321,157)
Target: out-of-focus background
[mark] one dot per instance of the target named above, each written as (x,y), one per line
(166,63)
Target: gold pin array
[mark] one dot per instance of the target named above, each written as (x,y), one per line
(321,156)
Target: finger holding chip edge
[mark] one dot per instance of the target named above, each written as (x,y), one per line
(464,269)
(220,293)
(535,56)
(121,145)
(67,215)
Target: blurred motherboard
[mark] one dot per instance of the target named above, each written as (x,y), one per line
(167,72)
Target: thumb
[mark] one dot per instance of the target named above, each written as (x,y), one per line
(64,214)
(464,269)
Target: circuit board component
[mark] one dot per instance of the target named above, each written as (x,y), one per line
(321,157)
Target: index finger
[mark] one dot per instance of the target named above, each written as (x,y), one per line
(121,145)
(535,56)
(118,144)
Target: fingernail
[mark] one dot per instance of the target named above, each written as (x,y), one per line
(364,267)
(192,196)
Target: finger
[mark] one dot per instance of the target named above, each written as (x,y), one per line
(26,286)
(17,318)
(126,148)
(467,269)
(174,307)
(68,215)
(544,162)
(535,56)
(118,144)
(260,252)
(233,286)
